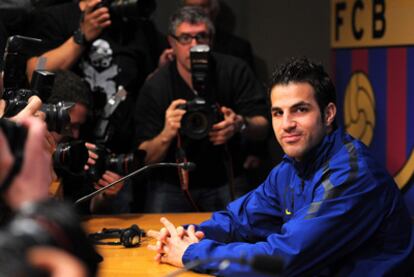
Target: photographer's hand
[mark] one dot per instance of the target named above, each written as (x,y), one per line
(101,201)
(56,262)
(31,184)
(221,132)
(157,147)
(6,157)
(67,54)
(32,109)
(173,116)
(94,20)
(92,155)
(166,56)
(107,178)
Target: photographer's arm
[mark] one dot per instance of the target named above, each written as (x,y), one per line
(62,57)
(67,54)
(157,147)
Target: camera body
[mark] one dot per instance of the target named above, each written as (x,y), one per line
(129,9)
(201,114)
(119,163)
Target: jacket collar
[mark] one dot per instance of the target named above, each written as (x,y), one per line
(318,156)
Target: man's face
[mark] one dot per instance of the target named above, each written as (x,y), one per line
(78,114)
(297,120)
(182,50)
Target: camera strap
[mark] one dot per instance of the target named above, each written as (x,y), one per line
(183,174)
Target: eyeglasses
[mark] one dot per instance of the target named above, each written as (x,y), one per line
(202,38)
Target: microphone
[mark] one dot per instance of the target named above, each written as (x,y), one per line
(189,166)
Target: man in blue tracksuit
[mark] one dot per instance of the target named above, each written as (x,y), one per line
(327,209)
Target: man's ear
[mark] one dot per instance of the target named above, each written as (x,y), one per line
(330,113)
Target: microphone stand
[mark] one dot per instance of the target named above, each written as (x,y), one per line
(185,166)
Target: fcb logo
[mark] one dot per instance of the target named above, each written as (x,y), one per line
(359,118)
(375,89)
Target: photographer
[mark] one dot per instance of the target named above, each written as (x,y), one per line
(70,87)
(159,114)
(103,46)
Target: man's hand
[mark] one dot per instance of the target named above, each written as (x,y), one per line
(92,155)
(172,242)
(107,178)
(32,109)
(32,182)
(166,56)
(221,132)
(94,20)
(173,116)
(56,262)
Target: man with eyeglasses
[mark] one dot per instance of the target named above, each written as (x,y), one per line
(159,113)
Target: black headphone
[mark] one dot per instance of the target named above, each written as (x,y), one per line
(128,237)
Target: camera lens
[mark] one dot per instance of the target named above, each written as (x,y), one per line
(71,156)
(57,117)
(197,125)
(125,163)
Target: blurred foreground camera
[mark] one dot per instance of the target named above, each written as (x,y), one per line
(119,163)
(70,156)
(129,9)
(51,223)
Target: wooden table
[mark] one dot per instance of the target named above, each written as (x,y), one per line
(120,261)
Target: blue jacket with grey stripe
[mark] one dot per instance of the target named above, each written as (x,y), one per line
(338,213)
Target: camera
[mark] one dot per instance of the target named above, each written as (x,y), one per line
(129,9)
(17,97)
(199,118)
(57,115)
(71,156)
(50,223)
(201,114)
(119,163)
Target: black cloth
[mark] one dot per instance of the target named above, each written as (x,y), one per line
(229,44)
(233,86)
(121,56)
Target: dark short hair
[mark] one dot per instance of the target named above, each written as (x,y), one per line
(190,14)
(302,70)
(70,87)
